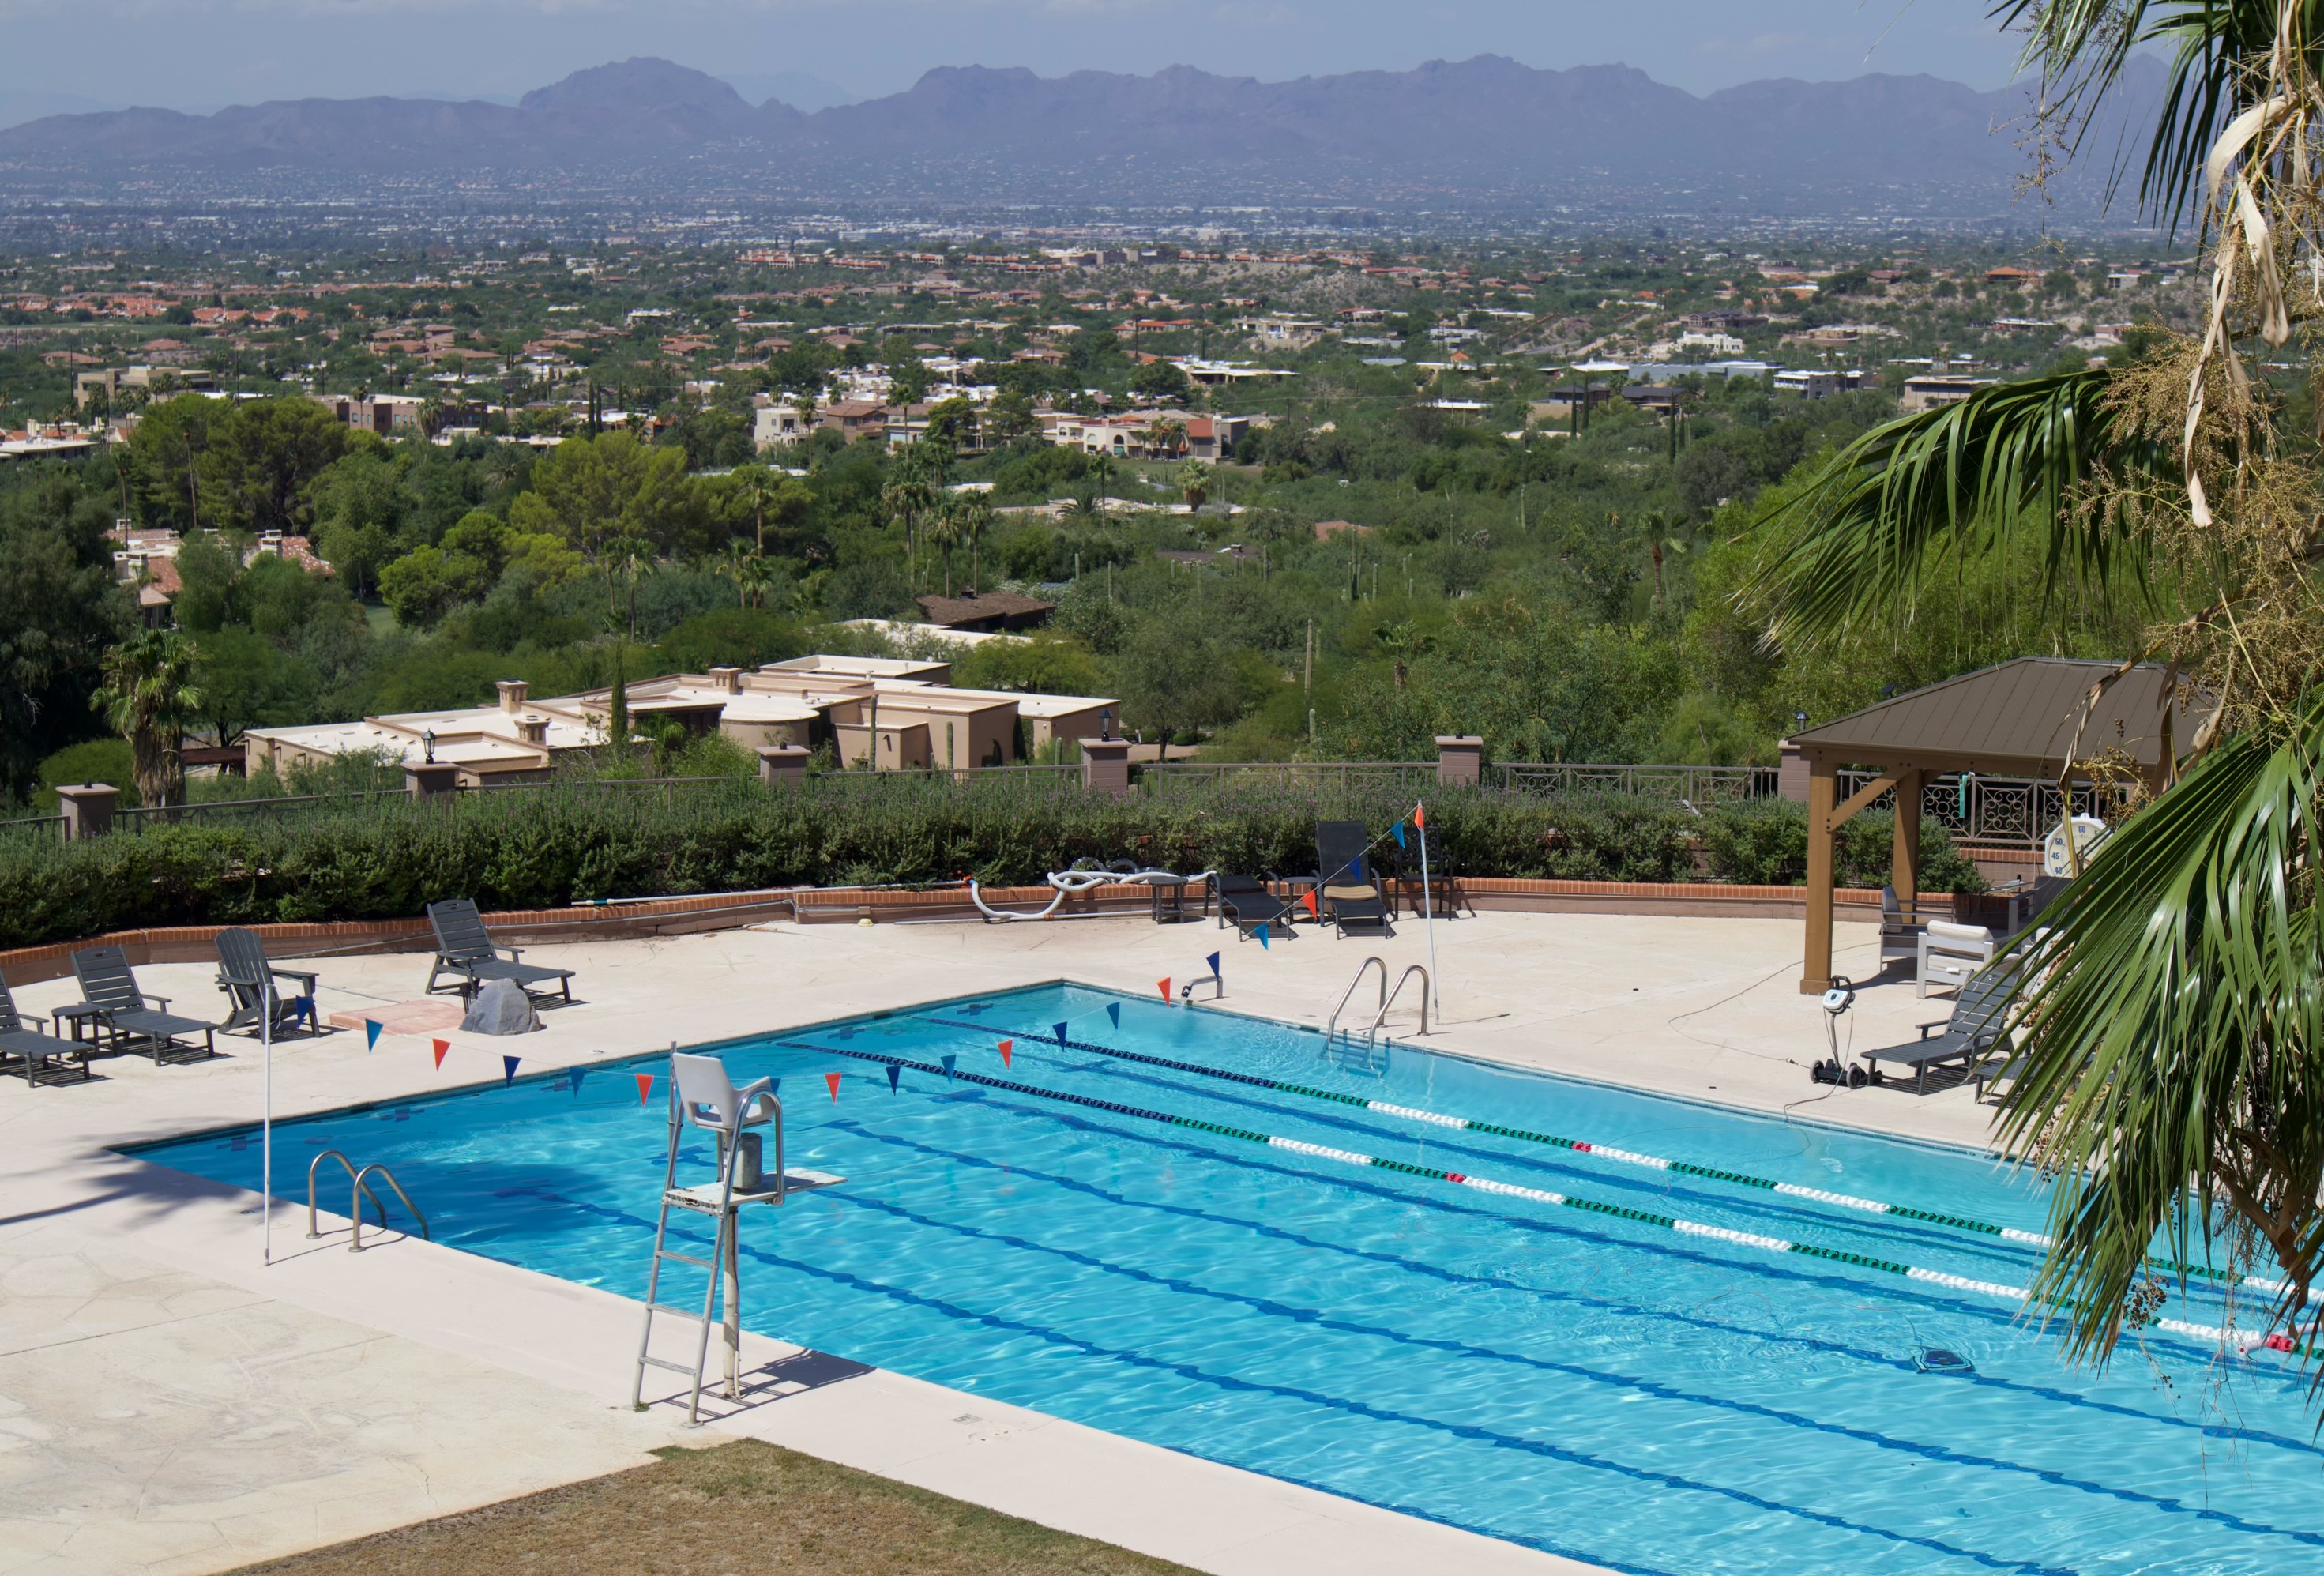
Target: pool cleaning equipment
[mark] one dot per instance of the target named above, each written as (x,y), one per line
(1836,1003)
(702,1098)
(1069,882)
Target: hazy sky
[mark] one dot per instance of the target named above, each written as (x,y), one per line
(202,53)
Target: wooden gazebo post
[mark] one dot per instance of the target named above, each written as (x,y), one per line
(1825,818)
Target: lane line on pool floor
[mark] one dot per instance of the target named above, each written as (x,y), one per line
(1605,1152)
(1488,1185)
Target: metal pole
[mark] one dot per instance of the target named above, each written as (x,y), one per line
(1428,912)
(266,1120)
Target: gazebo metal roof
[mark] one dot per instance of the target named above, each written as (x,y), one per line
(2014,719)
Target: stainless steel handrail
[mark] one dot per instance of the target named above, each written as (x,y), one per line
(1375,960)
(349,1167)
(1415,969)
(356,1246)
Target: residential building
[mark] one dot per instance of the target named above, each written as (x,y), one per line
(1931,390)
(143,378)
(1816,383)
(991,610)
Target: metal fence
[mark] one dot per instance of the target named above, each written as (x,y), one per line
(137,817)
(1309,779)
(1992,812)
(1695,785)
(35,826)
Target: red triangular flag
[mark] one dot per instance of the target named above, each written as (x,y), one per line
(1163,986)
(1420,816)
(441,1046)
(1308,898)
(645,1086)
(1006,1047)
(833,1080)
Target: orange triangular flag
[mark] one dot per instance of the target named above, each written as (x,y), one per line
(1163,986)
(1006,1046)
(833,1079)
(645,1086)
(1420,816)
(441,1046)
(1308,898)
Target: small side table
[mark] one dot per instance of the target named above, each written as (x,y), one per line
(79,1013)
(1168,895)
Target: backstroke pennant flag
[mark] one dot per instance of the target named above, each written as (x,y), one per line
(442,1046)
(1114,1011)
(1059,1030)
(371,1033)
(949,1062)
(576,1076)
(1420,816)
(1006,1047)
(1308,898)
(1163,986)
(895,1077)
(831,1080)
(1261,934)
(508,1069)
(1213,960)
(645,1086)
(1399,836)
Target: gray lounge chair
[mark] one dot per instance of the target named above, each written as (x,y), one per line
(1346,892)
(1900,932)
(111,996)
(1246,902)
(33,1053)
(464,950)
(248,979)
(1974,1036)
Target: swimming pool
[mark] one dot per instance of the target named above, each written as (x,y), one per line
(1574,1349)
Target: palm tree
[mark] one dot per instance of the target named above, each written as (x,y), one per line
(756,487)
(735,567)
(629,557)
(944,533)
(976,519)
(2173,1007)
(148,696)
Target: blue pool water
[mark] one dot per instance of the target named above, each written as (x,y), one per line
(1585,1382)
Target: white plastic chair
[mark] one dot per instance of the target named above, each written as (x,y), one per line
(1950,953)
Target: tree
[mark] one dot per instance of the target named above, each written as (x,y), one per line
(147,695)
(626,559)
(975,518)
(1160,380)
(592,490)
(945,532)
(2173,1060)
(265,454)
(1195,482)
(165,456)
(60,607)
(247,682)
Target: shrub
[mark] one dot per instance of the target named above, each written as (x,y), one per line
(385,858)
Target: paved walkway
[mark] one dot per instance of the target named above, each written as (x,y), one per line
(168,1406)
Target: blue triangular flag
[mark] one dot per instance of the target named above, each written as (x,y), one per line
(895,1077)
(1114,1011)
(1261,934)
(508,1069)
(371,1033)
(775,1086)
(576,1077)
(1399,834)
(1061,1032)
(948,1062)
(1213,960)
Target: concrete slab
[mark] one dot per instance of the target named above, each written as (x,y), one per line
(169,1404)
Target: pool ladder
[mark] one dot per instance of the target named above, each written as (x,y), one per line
(1387,1000)
(359,1189)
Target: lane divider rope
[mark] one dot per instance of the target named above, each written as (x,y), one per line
(1620,1156)
(1500,1189)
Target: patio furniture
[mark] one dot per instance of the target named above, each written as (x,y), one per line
(120,1010)
(464,950)
(1972,1036)
(248,981)
(1949,953)
(1166,894)
(1246,902)
(1346,895)
(1440,894)
(32,1051)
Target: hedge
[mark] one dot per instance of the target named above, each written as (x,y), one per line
(530,849)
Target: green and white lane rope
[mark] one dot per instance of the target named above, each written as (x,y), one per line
(1617,1155)
(1485,1184)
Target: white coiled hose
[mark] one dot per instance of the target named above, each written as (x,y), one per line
(1069,881)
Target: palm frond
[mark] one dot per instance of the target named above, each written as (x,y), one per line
(1956,480)
(2173,1075)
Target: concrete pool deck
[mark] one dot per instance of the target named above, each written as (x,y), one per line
(168,1405)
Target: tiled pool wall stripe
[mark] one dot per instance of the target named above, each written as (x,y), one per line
(1486,1185)
(1621,1156)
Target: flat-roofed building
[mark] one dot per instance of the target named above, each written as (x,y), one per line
(826,666)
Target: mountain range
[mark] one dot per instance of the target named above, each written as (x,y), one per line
(1487,126)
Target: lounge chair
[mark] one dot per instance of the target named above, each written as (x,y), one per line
(1900,932)
(464,950)
(1345,892)
(1441,894)
(1246,902)
(1974,1036)
(248,981)
(111,998)
(33,1053)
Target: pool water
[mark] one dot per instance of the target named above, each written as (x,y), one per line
(1586,1380)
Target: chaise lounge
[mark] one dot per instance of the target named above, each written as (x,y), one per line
(1246,902)
(1346,893)
(1973,1035)
(465,951)
(112,1000)
(33,1053)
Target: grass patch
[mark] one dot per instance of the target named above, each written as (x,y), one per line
(744,1506)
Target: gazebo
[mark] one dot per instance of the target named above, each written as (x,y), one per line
(2030,717)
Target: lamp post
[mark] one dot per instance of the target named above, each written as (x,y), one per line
(1105,721)
(427,743)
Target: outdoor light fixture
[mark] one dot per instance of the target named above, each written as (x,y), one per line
(1105,721)
(1799,716)
(428,742)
